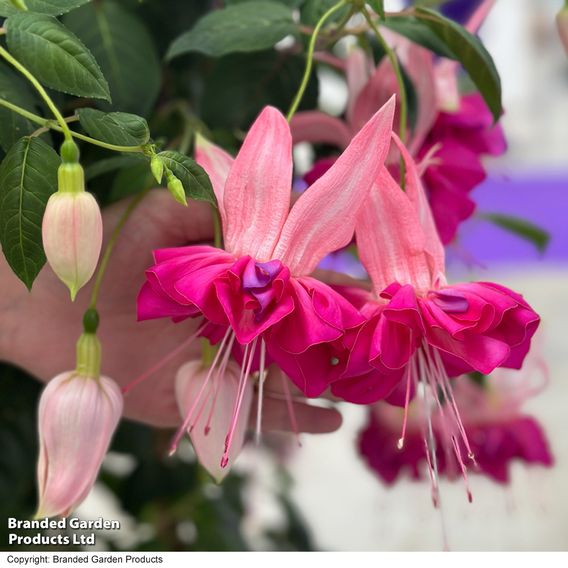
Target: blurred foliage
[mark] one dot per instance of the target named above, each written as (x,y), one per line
(173,504)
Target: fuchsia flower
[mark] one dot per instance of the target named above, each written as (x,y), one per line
(451,134)
(419,329)
(499,433)
(258,293)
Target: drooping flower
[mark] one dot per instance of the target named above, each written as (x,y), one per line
(450,135)
(72,229)
(498,431)
(77,418)
(258,293)
(419,329)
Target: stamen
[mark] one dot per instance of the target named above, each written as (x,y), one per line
(181,430)
(291,411)
(171,355)
(239,400)
(400,443)
(261,378)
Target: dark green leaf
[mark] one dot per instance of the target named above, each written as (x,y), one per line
(251,26)
(520,227)
(49,7)
(14,90)
(125,50)
(313,10)
(250,82)
(378,6)
(108,165)
(470,52)
(55,56)
(291,3)
(195,180)
(119,128)
(132,180)
(419,33)
(28,176)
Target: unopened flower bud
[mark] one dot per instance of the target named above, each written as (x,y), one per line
(176,188)
(72,229)
(77,418)
(157,167)
(562,24)
(212,407)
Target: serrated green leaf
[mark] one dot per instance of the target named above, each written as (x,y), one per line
(55,55)
(247,27)
(125,51)
(378,6)
(14,90)
(470,52)
(49,7)
(520,227)
(195,180)
(120,128)
(28,176)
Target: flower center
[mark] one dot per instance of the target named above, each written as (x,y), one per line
(257,281)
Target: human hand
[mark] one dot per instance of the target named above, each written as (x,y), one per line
(39,330)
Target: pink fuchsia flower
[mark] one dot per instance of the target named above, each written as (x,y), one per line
(72,230)
(451,133)
(498,431)
(77,418)
(211,403)
(258,291)
(419,329)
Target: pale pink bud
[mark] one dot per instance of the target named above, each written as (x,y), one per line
(72,230)
(77,418)
(210,397)
(562,24)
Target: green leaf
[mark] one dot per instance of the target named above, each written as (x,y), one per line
(378,6)
(119,128)
(55,55)
(125,50)
(419,33)
(28,176)
(195,180)
(470,52)
(131,181)
(15,90)
(108,165)
(247,27)
(520,227)
(313,10)
(49,7)
(251,81)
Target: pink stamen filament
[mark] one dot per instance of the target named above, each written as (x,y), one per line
(164,361)
(291,411)
(261,378)
(400,443)
(245,372)
(181,430)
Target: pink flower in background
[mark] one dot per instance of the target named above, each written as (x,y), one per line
(498,431)
(258,291)
(451,133)
(419,329)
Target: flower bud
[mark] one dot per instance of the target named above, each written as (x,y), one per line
(212,410)
(72,230)
(562,24)
(157,167)
(176,188)
(77,418)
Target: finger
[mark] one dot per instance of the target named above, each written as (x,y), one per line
(309,419)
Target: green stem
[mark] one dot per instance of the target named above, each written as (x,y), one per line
(110,246)
(39,88)
(397,71)
(310,58)
(46,123)
(218,235)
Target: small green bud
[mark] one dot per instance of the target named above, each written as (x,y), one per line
(91,321)
(69,152)
(157,167)
(71,178)
(176,188)
(20,4)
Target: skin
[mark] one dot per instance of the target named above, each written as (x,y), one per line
(39,330)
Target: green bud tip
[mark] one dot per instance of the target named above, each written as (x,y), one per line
(176,189)
(157,167)
(69,152)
